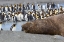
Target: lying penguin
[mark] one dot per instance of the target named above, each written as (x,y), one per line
(13,27)
(1,26)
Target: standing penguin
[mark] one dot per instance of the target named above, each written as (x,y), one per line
(13,27)
(19,16)
(14,18)
(1,26)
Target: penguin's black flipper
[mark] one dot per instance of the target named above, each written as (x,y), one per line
(11,28)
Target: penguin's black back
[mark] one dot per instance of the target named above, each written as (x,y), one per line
(11,28)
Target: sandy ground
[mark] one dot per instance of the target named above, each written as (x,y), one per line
(19,36)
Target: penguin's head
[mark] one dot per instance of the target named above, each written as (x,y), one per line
(14,25)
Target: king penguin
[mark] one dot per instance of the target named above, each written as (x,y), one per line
(13,27)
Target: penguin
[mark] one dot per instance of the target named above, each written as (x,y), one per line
(10,8)
(1,26)
(39,7)
(19,16)
(14,17)
(9,17)
(13,27)
(5,17)
(26,17)
(6,8)
(51,11)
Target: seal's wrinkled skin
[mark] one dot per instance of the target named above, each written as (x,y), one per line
(53,25)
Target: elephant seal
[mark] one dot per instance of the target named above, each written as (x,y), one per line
(53,25)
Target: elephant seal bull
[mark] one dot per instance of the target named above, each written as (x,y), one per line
(53,25)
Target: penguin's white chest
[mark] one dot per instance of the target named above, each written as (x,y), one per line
(6,8)
(14,29)
(19,17)
(10,9)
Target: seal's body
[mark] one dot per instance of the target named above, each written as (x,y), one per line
(53,25)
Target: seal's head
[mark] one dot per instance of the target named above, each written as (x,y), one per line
(26,26)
